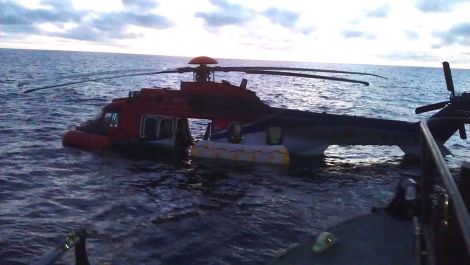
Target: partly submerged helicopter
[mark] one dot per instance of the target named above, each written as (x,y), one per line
(243,127)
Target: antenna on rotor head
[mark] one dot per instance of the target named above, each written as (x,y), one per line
(202,73)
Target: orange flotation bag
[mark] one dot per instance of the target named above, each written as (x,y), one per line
(85,140)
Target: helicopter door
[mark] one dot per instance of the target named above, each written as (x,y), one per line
(183,135)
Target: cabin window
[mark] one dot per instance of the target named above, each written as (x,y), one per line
(114,120)
(274,135)
(150,128)
(166,129)
(235,133)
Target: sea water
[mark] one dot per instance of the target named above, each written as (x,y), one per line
(168,210)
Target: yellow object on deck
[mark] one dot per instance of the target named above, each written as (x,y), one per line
(324,241)
(273,154)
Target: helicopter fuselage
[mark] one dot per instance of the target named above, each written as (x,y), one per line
(158,116)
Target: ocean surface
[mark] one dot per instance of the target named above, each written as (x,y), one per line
(172,210)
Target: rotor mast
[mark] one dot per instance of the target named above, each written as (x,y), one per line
(202,73)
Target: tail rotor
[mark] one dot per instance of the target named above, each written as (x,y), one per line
(448,76)
(450,88)
(458,105)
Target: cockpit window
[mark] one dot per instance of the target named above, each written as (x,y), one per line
(114,120)
(107,120)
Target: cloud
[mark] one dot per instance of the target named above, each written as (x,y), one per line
(437,5)
(226,14)
(457,34)
(14,14)
(140,5)
(380,12)
(83,32)
(411,35)
(113,26)
(308,30)
(9,30)
(120,20)
(91,33)
(281,17)
(17,19)
(357,34)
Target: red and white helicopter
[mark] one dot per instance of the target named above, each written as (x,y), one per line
(242,126)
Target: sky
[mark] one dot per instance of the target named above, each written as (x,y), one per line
(399,32)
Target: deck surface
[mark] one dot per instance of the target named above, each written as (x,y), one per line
(375,238)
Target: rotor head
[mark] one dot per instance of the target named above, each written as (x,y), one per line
(203,60)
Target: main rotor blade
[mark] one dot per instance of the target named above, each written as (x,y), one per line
(260,72)
(187,69)
(243,68)
(24,83)
(448,76)
(99,79)
(430,107)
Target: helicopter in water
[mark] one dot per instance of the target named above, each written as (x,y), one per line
(242,127)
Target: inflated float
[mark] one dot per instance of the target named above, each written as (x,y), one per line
(85,140)
(273,154)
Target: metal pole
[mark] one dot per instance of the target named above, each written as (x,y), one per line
(461,212)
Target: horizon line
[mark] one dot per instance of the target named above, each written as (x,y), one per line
(225,58)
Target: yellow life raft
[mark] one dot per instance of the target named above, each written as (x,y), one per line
(273,154)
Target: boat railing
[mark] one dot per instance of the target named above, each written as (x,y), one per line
(76,240)
(443,224)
